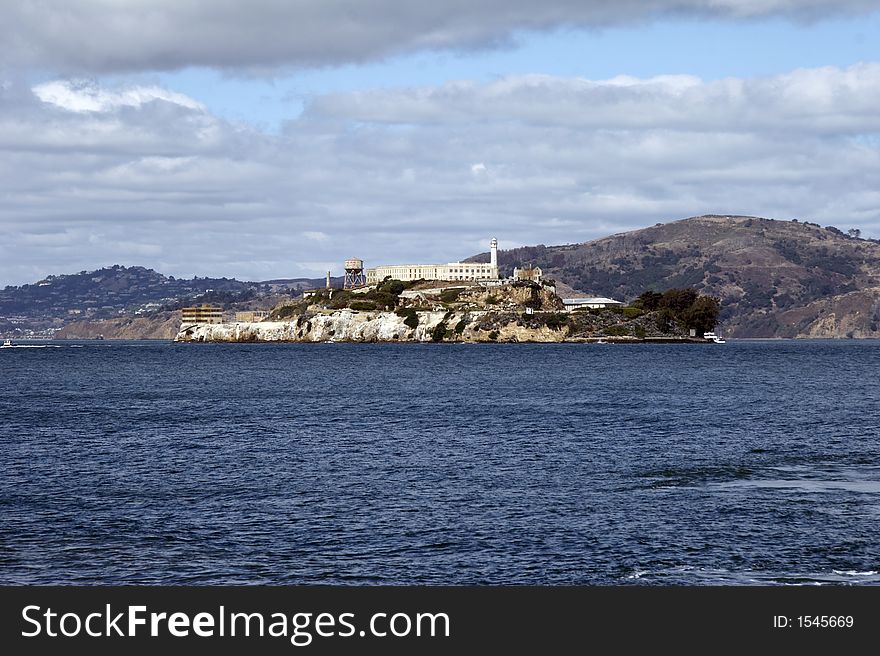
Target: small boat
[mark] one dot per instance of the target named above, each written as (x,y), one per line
(601,341)
(712,337)
(7,344)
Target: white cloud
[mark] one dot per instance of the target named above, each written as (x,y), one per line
(86,96)
(479,171)
(426,174)
(100,36)
(822,100)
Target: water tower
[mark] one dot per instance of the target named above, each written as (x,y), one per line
(354,273)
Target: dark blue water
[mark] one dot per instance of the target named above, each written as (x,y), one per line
(751,462)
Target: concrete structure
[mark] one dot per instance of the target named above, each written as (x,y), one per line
(202,314)
(474,271)
(251,316)
(532,274)
(354,273)
(572,304)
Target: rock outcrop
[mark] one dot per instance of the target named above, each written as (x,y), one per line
(356,326)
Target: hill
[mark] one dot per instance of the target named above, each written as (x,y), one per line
(774,278)
(98,299)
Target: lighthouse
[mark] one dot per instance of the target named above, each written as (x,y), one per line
(493,252)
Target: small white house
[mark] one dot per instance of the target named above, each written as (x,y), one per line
(572,304)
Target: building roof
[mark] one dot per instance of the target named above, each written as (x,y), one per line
(590,301)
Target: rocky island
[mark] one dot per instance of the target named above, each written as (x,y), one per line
(434,311)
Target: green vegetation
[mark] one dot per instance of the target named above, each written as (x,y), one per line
(493,335)
(682,306)
(648,301)
(555,320)
(412,317)
(340,300)
(386,296)
(653,314)
(439,332)
(285,312)
(451,295)
(702,315)
(460,326)
(491,300)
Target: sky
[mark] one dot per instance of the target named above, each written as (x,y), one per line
(276,138)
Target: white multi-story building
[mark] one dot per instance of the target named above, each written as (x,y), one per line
(475,271)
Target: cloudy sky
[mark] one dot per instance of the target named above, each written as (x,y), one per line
(274,138)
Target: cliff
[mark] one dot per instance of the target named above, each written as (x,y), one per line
(348,325)
(164,325)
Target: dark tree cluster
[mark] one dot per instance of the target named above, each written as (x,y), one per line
(681,306)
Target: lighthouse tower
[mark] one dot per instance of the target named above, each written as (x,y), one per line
(493,255)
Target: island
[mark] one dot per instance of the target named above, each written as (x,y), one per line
(468,311)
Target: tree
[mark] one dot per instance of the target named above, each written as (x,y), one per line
(664,320)
(854,232)
(702,315)
(649,301)
(678,300)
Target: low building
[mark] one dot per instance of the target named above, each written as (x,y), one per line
(251,316)
(529,273)
(202,314)
(572,304)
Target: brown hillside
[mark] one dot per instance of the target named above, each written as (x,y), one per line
(774,278)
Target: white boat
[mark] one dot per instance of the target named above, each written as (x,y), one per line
(7,344)
(712,337)
(601,341)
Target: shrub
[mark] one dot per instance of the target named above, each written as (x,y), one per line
(439,332)
(491,300)
(383,299)
(412,317)
(285,312)
(461,325)
(493,335)
(555,320)
(450,295)
(362,305)
(393,287)
(632,312)
(615,331)
(340,300)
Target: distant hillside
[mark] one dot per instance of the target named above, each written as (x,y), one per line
(774,278)
(125,292)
